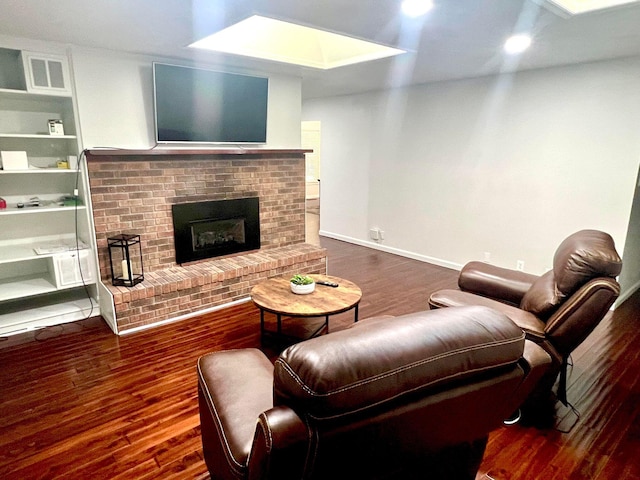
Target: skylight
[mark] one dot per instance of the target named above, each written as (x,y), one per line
(280,41)
(575,7)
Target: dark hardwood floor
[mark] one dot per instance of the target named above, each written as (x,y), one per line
(78,402)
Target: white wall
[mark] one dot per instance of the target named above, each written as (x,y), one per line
(114,92)
(509,165)
(630,276)
(345,164)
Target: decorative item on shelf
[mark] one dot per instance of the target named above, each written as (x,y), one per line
(62,164)
(302,284)
(125,260)
(3,203)
(72,161)
(70,201)
(56,127)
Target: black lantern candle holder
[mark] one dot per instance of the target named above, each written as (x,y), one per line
(125,260)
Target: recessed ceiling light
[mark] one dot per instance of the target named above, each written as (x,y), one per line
(416,8)
(574,7)
(517,44)
(270,39)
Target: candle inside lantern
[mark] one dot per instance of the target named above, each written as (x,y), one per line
(126,270)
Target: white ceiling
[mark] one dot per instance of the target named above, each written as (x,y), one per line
(457,39)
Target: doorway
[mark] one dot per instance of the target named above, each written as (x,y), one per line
(310,139)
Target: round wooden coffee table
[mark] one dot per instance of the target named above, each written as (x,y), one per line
(275,296)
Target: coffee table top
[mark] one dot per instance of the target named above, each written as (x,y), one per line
(275,296)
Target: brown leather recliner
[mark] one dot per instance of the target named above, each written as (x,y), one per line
(406,397)
(557,310)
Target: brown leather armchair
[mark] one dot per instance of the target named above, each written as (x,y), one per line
(406,397)
(557,310)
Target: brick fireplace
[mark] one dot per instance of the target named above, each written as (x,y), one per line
(134,192)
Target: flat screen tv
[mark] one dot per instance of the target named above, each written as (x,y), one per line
(194,105)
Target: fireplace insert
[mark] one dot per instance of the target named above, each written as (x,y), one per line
(211,229)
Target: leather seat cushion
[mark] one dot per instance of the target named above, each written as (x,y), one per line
(335,375)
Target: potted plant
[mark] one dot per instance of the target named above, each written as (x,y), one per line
(302,284)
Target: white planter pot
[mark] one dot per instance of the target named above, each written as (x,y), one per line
(303,289)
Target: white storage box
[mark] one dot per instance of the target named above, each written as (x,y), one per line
(14,160)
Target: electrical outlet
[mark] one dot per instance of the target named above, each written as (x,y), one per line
(374,234)
(381,234)
(487,257)
(520,265)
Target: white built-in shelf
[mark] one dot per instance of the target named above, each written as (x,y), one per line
(18,287)
(18,252)
(8,92)
(42,136)
(37,170)
(69,306)
(37,210)
(18,94)
(38,290)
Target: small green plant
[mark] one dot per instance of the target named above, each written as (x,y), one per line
(301,280)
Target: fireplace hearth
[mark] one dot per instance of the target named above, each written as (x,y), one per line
(211,229)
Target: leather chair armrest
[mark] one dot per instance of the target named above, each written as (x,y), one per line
(280,446)
(581,313)
(495,282)
(234,388)
(532,325)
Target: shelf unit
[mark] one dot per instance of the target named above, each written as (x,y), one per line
(58,284)
(37,135)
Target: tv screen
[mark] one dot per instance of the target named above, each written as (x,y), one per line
(205,106)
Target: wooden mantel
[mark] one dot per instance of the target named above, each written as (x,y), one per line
(232,152)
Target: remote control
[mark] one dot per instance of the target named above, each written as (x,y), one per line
(328,284)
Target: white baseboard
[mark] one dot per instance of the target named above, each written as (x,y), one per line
(184,317)
(395,251)
(626,294)
(444,263)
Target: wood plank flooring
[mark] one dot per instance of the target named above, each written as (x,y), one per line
(78,402)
